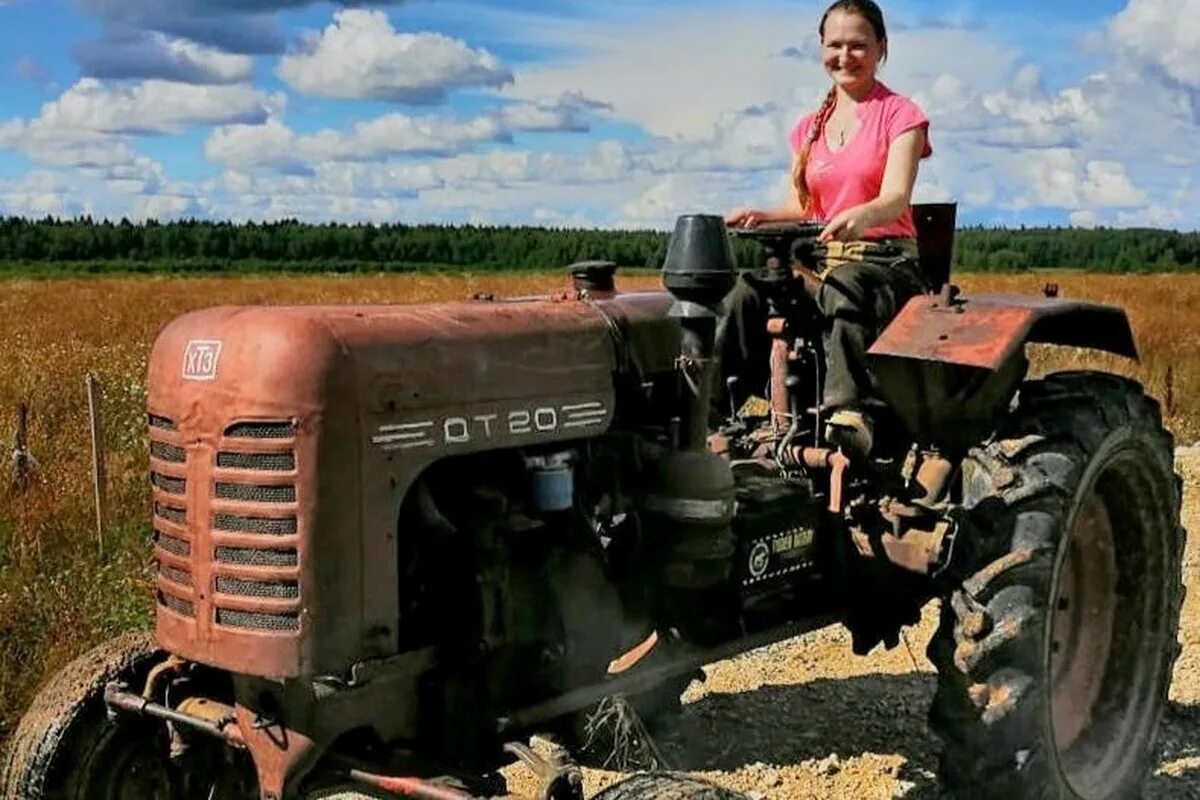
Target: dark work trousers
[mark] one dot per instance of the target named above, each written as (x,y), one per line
(864,285)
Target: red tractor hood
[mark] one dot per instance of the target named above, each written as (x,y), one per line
(284,438)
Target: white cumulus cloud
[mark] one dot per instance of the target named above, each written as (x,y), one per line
(155,107)
(90,127)
(571,111)
(361,56)
(1062,178)
(274,144)
(1163,33)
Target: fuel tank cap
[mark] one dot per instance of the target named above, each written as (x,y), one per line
(593,276)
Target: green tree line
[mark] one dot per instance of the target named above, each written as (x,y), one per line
(84,244)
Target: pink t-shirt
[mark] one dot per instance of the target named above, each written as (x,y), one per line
(853,175)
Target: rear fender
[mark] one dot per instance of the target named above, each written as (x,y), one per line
(948,365)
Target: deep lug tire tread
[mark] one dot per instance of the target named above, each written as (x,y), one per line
(989,708)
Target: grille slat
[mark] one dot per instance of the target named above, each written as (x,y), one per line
(256,493)
(170,513)
(279,590)
(261,622)
(176,514)
(271,527)
(261,430)
(251,557)
(160,422)
(266,462)
(168,484)
(168,452)
(172,545)
(175,575)
(176,604)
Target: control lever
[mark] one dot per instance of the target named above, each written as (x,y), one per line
(730,382)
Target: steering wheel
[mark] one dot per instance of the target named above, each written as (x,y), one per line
(799,228)
(780,238)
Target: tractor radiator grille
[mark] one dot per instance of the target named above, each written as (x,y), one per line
(263,462)
(162,423)
(261,430)
(172,543)
(170,513)
(176,604)
(251,557)
(168,452)
(256,494)
(168,484)
(259,622)
(255,499)
(280,590)
(174,574)
(267,526)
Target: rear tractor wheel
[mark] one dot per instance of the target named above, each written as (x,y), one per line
(1055,656)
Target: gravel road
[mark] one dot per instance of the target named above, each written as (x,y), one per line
(808,719)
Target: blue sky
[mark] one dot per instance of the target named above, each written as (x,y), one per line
(614,114)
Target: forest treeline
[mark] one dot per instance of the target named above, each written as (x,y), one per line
(52,245)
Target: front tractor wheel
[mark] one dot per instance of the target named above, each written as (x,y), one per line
(68,747)
(1055,656)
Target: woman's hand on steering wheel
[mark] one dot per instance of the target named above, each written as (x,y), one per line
(845,227)
(746,217)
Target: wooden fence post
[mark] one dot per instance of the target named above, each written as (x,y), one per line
(1169,400)
(22,460)
(99,480)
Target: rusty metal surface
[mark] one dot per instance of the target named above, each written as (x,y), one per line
(631,657)
(780,396)
(369,396)
(1082,622)
(197,714)
(273,366)
(278,752)
(933,475)
(986,331)
(221,715)
(917,550)
(417,788)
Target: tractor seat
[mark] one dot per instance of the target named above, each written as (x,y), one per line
(935,240)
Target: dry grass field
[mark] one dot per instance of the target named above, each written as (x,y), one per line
(59,594)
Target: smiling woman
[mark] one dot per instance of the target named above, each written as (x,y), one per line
(853,168)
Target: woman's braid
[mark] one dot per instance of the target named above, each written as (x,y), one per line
(799,179)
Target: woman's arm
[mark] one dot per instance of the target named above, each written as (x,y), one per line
(895,192)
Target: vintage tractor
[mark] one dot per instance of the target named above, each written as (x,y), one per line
(392,542)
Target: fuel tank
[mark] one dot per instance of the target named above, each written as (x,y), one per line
(283,439)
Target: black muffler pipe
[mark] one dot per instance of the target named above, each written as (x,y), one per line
(698,272)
